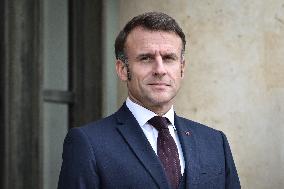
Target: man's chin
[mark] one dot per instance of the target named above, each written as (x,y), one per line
(160,101)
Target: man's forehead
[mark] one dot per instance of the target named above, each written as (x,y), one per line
(145,39)
(141,30)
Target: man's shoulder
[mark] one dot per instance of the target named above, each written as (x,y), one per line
(102,123)
(94,131)
(195,125)
(201,132)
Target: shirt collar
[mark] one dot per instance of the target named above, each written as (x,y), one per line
(142,115)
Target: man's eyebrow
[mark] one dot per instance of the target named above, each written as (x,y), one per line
(151,55)
(145,55)
(174,55)
(169,54)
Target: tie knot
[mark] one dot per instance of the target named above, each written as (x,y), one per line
(159,122)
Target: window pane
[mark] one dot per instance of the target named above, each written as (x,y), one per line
(55,128)
(55,66)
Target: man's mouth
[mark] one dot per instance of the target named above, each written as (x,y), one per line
(159,84)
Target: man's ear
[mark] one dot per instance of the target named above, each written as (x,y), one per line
(182,68)
(121,70)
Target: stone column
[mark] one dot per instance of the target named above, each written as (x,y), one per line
(20,94)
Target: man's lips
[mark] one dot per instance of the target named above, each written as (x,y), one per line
(159,84)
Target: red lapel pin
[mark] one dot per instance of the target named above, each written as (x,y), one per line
(188,133)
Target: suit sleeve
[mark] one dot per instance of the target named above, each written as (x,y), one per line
(78,170)
(232,179)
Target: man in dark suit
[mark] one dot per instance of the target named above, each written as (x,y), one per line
(145,144)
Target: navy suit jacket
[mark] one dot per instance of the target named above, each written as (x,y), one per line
(115,153)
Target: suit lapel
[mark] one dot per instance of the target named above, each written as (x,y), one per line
(191,156)
(130,130)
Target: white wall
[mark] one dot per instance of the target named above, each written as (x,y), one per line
(234,79)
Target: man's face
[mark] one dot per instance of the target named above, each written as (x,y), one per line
(156,68)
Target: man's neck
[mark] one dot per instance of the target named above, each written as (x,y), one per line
(158,109)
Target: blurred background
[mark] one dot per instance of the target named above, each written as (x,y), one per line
(57,72)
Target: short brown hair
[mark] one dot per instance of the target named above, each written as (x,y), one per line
(154,21)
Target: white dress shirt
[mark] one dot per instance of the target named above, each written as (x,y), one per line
(143,115)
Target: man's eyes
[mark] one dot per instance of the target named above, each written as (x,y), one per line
(166,58)
(169,58)
(146,58)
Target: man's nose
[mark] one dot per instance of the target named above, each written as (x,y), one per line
(159,67)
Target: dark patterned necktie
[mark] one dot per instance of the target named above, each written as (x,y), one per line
(167,150)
